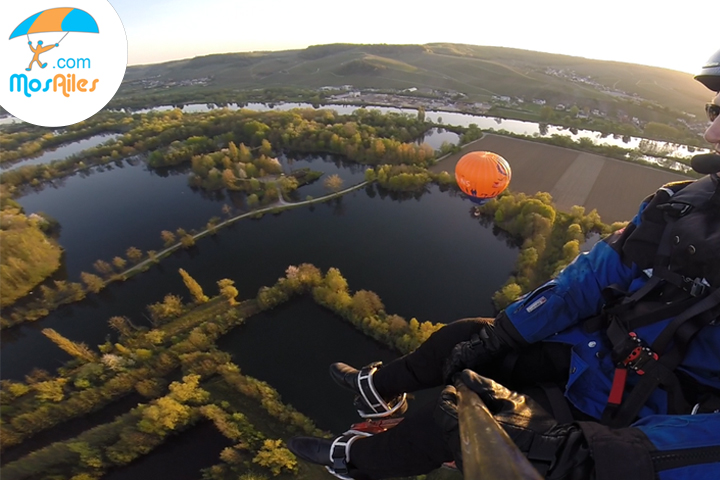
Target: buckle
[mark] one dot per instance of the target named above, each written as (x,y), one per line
(698,288)
(639,356)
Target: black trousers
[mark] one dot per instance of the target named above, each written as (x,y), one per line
(416,445)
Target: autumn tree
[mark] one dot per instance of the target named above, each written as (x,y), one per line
(228,290)
(51,390)
(194,287)
(276,457)
(189,391)
(121,325)
(229,180)
(134,254)
(163,416)
(168,237)
(333,183)
(234,152)
(265,147)
(93,282)
(366,304)
(170,307)
(119,262)
(152,256)
(77,350)
(102,267)
(244,154)
(187,240)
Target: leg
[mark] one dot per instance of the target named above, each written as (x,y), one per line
(423,368)
(413,447)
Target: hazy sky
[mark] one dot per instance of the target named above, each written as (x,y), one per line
(679,35)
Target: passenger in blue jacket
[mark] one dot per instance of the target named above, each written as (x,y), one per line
(612,368)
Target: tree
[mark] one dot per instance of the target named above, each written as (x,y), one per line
(276,457)
(188,391)
(77,350)
(121,325)
(265,147)
(194,287)
(187,240)
(163,416)
(119,263)
(102,267)
(366,304)
(51,390)
(234,152)
(170,307)
(168,237)
(229,180)
(134,254)
(228,291)
(93,282)
(334,183)
(244,154)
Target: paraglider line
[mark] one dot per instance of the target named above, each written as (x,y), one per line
(63,37)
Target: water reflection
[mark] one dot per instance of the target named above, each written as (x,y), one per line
(465,120)
(62,152)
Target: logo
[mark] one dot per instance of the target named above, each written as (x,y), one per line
(60,64)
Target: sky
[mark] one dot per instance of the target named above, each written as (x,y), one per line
(672,35)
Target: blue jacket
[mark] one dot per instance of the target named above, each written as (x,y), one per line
(554,313)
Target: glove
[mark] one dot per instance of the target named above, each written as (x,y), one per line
(479,350)
(446,417)
(556,451)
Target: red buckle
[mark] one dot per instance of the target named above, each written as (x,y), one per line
(639,356)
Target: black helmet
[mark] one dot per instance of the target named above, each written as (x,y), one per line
(710,73)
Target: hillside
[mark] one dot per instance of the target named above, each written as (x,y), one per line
(476,71)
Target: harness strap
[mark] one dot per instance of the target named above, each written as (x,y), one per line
(658,371)
(558,403)
(705,305)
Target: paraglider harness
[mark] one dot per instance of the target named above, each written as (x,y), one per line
(677,241)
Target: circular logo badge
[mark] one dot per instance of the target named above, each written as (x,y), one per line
(62,60)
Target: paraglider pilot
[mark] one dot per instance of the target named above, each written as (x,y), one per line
(37,51)
(609,371)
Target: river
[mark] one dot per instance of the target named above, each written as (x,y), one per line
(484,122)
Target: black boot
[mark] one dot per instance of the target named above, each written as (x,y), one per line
(333,454)
(369,403)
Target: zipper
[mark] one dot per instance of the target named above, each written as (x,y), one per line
(534,294)
(669,459)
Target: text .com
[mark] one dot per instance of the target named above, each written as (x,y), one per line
(71,63)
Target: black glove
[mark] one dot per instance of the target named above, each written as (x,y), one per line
(556,451)
(446,417)
(479,350)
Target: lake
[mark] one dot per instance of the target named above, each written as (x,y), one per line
(426,257)
(62,152)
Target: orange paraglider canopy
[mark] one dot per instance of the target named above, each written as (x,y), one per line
(482,175)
